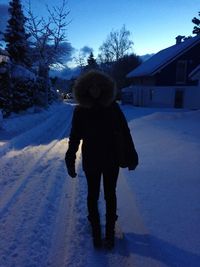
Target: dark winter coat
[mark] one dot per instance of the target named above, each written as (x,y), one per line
(93,122)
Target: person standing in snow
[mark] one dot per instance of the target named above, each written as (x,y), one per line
(93,122)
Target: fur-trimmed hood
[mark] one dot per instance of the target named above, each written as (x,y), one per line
(88,81)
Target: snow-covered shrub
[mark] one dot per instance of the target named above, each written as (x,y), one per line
(23,81)
(22,94)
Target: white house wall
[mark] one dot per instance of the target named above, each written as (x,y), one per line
(162,97)
(165,96)
(192,97)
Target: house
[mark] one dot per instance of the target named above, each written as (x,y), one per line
(169,78)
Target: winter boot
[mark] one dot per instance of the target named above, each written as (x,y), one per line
(110,233)
(96,232)
(109,241)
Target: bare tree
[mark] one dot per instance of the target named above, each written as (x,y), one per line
(48,35)
(80,60)
(117,45)
(81,56)
(47,39)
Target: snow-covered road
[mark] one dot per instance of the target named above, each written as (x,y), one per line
(43,211)
(33,183)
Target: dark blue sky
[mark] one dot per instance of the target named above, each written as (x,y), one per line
(154,24)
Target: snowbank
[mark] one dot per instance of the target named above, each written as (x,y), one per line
(166,182)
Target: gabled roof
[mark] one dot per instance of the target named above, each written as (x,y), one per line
(163,58)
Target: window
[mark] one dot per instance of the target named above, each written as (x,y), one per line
(181,69)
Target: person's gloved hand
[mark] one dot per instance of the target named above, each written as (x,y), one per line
(70,167)
(71,172)
(132,167)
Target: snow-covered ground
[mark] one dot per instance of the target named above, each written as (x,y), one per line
(43,211)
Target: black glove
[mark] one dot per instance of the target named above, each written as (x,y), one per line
(132,167)
(70,166)
(71,172)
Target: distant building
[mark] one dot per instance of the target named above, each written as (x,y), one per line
(169,78)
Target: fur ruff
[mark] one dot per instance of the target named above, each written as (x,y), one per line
(92,79)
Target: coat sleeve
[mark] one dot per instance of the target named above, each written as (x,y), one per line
(132,156)
(74,139)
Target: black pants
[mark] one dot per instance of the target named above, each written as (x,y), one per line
(109,184)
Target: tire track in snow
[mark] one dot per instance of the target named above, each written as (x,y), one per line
(34,137)
(9,198)
(23,139)
(34,213)
(65,223)
(17,214)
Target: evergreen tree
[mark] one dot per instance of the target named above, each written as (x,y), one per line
(196,21)
(15,35)
(91,63)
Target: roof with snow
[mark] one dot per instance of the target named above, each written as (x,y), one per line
(163,58)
